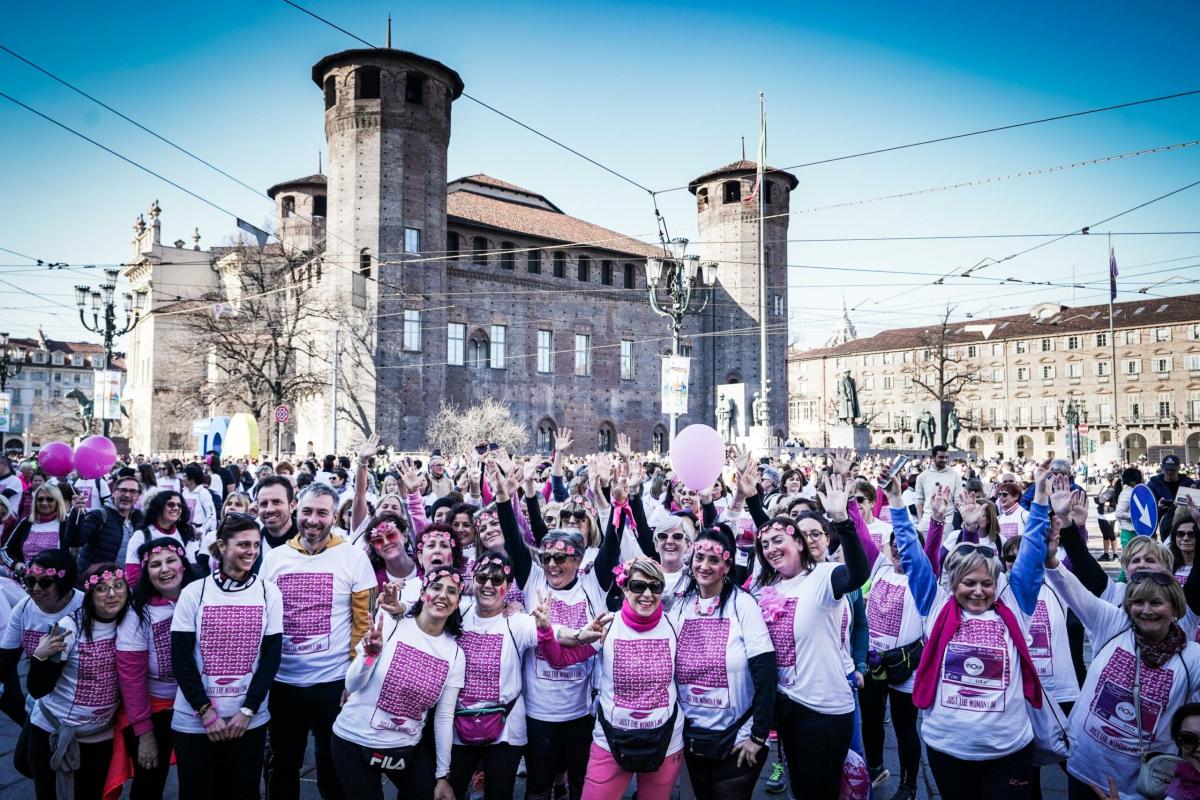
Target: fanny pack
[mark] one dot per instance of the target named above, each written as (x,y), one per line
(639,750)
(714,744)
(482,725)
(894,667)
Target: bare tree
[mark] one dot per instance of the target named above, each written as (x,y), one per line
(459,430)
(57,421)
(940,369)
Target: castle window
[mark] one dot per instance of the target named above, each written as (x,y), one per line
(507,257)
(366,83)
(364,263)
(584,269)
(533,262)
(414,88)
(560,264)
(479,251)
(702,197)
(289,205)
(478,351)
(629,279)
(606,273)
(453,246)
(767,190)
(731,191)
(330,92)
(319,206)
(412,240)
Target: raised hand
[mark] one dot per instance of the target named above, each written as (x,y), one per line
(505,461)
(562,442)
(747,481)
(368,448)
(971,511)
(496,481)
(1079,507)
(410,477)
(389,598)
(1060,496)
(636,474)
(541,612)
(835,497)
(373,640)
(740,456)
(938,503)
(623,447)
(595,630)
(51,643)
(603,468)
(843,459)
(1041,483)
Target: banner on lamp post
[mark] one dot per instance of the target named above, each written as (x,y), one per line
(676,370)
(5,412)
(106,394)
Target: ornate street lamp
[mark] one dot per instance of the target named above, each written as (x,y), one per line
(104,314)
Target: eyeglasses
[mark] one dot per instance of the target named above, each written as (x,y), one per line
(380,538)
(814,535)
(173,505)
(494,580)
(117,587)
(41,583)
(557,558)
(129,491)
(858,498)
(966,548)
(675,536)
(1187,740)
(640,586)
(1161,578)
(1189,534)
(579,515)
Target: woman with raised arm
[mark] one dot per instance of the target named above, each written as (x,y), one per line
(975,674)
(803,603)
(401,673)
(226,642)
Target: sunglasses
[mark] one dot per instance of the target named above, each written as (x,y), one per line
(557,558)
(858,498)
(173,505)
(676,536)
(983,550)
(1187,740)
(1161,578)
(639,586)
(578,516)
(380,538)
(42,583)
(494,580)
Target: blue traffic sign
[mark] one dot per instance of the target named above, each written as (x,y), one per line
(1144,510)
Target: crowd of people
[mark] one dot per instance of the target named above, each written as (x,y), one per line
(446,621)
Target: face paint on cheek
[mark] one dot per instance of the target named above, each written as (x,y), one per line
(427,597)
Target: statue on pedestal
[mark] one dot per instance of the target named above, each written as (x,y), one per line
(848,408)
(760,410)
(926,429)
(725,412)
(953,426)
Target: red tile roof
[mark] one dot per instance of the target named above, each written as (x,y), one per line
(309,180)
(492,212)
(741,168)
(66,348)
(488,180)
(1133,314)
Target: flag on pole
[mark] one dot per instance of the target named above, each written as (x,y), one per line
(257,233)
(762,154)
(1112,274)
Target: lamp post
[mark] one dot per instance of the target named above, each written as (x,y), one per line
(104,314)
(11,361)
(680,275)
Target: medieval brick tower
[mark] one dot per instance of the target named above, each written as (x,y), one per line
(729,235)
(387,124)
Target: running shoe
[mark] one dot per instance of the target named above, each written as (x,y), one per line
(878,775)
(905,793)
(777,781)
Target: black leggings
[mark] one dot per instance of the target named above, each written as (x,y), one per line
(874,697)
(229,770)
(148,783)
(500,763)
(295,710)
(1009,777)
(360,780)
(724,779)
(814,748)
(558,746)
(33,748)
(12,702)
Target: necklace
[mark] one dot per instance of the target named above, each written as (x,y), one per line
(712,605)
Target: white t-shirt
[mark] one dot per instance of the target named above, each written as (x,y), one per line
(201,513)
(317,615)
(28,623)
(880,533)
(712,659)
(805,622)
(636,681)
(892,618)
(1048,644)
(141,536)
(94,492)
(493,647)
(406,681)
(42,536)
(559,695)
(229,628)
(980,689)
(1012,523)
(86,692)
(931,478)
(152,636)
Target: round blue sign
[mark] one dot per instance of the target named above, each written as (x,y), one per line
(1144,510)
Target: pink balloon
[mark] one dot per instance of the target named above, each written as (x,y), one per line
(95,456)
(698,455)
(56,459)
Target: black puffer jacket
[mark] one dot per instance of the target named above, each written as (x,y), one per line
(99,535)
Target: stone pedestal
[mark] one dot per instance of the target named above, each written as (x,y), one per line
(759,440)
(855,437)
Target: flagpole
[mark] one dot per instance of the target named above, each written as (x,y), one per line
(1112,340)
(762,260)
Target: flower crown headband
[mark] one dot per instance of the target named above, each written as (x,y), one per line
(560,546)
(621,572)
(107,575)
(164,548)
(485,516)
(429,536)
(486,564)
(776,526)
(441,572)
(388,527)
(50,572)
(712,547)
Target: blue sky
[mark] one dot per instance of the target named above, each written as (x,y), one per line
(660,92)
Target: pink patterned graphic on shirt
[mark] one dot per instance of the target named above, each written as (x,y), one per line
(37,541)
(1112,714)
(483,652)
(700,653)
(572,615)
(783,634)
(641,673)
(413,683)
(842,634)
(1038,639)
(230,638)
(96,684)
(307,602)
(885,608)
(29,641)
(160,634)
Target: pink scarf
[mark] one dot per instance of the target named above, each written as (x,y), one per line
(636,621)
(926,679)
(622,510)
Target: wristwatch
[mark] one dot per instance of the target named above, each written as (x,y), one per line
(247,712)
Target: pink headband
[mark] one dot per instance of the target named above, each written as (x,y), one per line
(776,526)
(559,546)
(621,572)
(441,572)
(168,548)
(712,547)
(487,562)
(389,527)
(107,575)
(49,572)
(431,535)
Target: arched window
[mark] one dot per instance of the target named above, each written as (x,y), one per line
(507,257)
(479,351)
(546,433)
(701,198)
(731,191)
(319,206)
(605,438)
(330,92)
(658,439)
(414,88)
(479,251)
(288,205)
(366,83)
(364,263)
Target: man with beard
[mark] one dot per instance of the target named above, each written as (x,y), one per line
(98,534)
(276,508)
(326,585)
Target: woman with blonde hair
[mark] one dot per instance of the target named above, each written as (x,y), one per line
(44,529)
